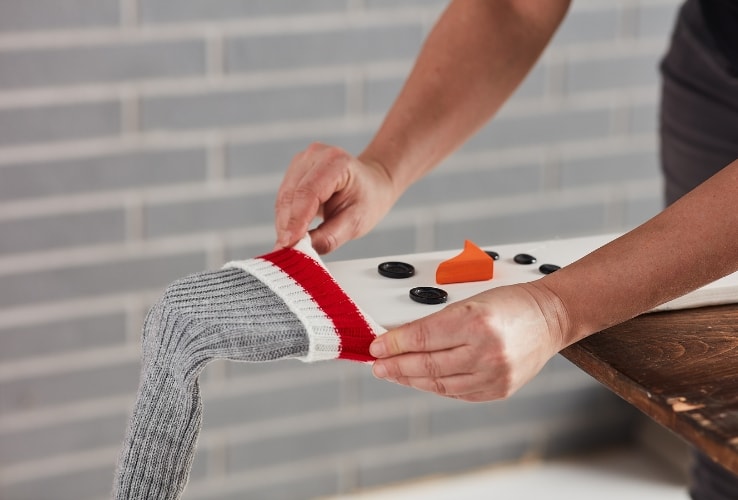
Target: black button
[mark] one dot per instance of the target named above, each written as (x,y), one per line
(396,270)
(524,258)
(428,295)
(548,268)
(494,255)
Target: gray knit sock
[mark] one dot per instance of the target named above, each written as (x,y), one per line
(281,305)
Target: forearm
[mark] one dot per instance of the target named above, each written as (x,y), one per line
(690,244)
(474,58)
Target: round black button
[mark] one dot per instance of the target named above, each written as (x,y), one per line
(428,295)
(524,258)
(548,268)
(396,270)
(493,254)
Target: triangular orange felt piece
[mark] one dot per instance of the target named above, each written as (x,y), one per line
(472,264)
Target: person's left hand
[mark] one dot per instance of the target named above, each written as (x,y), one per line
(480,349)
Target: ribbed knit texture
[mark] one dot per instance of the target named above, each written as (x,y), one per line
(336,326)
(233,314)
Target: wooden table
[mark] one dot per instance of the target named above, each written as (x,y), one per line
(680,368)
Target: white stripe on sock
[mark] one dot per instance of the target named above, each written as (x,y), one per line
(325,342)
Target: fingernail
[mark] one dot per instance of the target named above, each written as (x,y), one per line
(377,349)
(283,239)
(379,370)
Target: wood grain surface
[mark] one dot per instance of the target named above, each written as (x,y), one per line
(680,368)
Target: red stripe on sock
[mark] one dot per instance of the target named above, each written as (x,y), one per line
(351,326)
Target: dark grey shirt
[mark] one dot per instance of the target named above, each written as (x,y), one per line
(721,17)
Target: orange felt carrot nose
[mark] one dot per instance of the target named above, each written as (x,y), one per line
(472,264)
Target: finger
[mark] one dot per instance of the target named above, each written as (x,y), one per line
(335,231)
(455,386)
(283,203)
(463,387)
(328,174)
(435,332)
(434,364)
(302,206)
(482,396)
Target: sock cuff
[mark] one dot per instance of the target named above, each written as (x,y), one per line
(336,326)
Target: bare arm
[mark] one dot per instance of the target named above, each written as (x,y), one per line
(473,59)
(690,244)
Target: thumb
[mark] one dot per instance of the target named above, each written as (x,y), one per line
(435,332)
(334,232)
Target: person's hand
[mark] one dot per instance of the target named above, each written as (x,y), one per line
(350,195)
(479,349)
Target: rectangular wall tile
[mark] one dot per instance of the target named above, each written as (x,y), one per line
(272,403)
(65,438)
(93,174)
(171,11)
(62,230)
(612,72)
(588,25)
(62,336)
(233,108)
(22,15)
(101,63)
(485,183)
(60,122)
(87,483)
(523,226)
(222,212)
(274,156)
(33,393)
(545,127)
(337,47)
(609,168)
(95,279)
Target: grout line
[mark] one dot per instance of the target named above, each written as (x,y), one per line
(135,219)
(136,308)
(355,91)
(58,465)
(216,161)
(215,56)
(130,112)
(57,363)
(50,416)
(129,13)
(551,171)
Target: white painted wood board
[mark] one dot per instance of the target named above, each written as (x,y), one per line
(387,301)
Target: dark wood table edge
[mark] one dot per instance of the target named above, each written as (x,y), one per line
(678,422)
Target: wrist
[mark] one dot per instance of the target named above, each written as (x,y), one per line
(400,162)
(387,175)
(561,330)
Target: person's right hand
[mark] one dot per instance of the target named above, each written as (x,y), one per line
(350,194)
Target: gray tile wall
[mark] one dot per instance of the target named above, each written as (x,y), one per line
(143,140)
